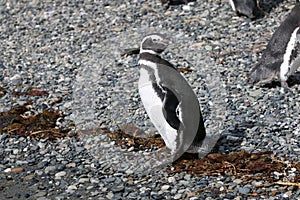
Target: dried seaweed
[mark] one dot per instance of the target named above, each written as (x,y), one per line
(41,125)
(235,163)
(2,91)
(31,92)
(243,165)
(183,69)
(138,143)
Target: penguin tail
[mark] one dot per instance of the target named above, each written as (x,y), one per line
(253,76)
(261,73)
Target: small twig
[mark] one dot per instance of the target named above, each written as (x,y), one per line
(287,183)
(41,131)
(189,20)
(282,162)
(233,166)
(11,131)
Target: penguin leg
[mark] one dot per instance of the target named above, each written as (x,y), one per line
(284,84)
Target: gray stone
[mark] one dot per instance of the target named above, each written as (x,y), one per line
(49,169)
(119,188)
(83,180)
(178,196)
(60,174)
(42,198)
(40,194)
(165,187)
(244,190)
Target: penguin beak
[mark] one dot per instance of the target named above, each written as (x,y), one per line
(162,45)
(166,41)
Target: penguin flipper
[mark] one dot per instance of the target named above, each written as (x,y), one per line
(170,108)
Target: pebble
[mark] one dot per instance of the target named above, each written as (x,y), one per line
(7,170)
(72,187)
(186,7)
(15,151)
(244,190)
(49,169)
(110,195)
(165,187)
(184,183)
(94,180)
(237,181)
(69,165)
(178,196)
(40,194)
(119,188)
(187,177)
(83,180)
(287,194)
(42,198)
(60,174)
(109,180)
(255,93)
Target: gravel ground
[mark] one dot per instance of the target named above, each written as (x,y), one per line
(72,50)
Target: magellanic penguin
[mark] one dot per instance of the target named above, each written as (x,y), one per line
(282,55)
(248,8)
(169,101)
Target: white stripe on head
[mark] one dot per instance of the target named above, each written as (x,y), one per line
(285,70)
(155,36)
(147,51)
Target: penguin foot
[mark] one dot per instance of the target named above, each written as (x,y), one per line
(285,87)
(284,84)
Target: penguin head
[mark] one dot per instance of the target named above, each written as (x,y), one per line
(154,43)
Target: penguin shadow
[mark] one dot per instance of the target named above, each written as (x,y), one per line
(228,142)
(231,140)
(292,81)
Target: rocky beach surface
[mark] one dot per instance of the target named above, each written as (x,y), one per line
(63,61)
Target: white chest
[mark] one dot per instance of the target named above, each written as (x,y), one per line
(287,68)
(154,108)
